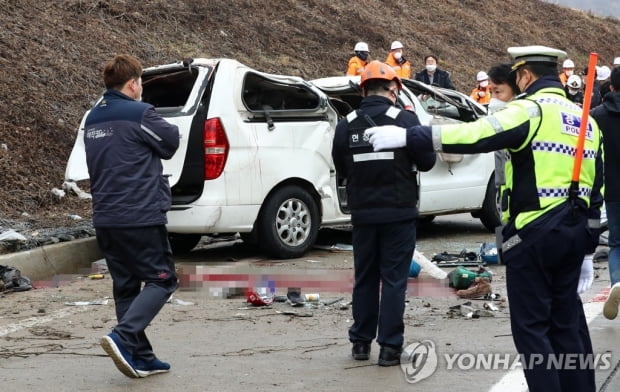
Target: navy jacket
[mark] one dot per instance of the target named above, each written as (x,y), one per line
(380,199)
(440,78)
(125,140)
(607,116)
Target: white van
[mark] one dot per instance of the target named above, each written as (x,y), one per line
(254,157)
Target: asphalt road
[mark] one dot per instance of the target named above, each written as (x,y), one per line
(216,342)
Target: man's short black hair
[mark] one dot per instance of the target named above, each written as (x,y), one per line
(376,85)
(542,69)
(501,74)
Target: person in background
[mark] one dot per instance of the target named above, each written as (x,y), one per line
(616,62)
(573,90)
(359,60)
(396,60)
(125,141)
(607,115)
(382,192)
(541,206)
(433,75)
(482,92)
(603,74)
(568,67)
(502,86)
(596,93)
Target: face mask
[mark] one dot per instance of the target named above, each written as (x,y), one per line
(484,83)
(495,105)
(572,92)
(569,73)
(362,55)
(397,55)
(431,68)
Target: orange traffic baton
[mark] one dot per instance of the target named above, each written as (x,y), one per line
(587,100)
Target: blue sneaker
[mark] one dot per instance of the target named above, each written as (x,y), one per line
(121,357)
(148,368)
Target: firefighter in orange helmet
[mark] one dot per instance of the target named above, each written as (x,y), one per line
(382,194)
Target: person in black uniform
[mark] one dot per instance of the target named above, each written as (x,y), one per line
(382,193)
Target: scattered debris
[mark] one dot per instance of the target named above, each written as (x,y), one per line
(479,288)
(180,302)
(335,247)
(294,313)
(12,235)
(427,266)
(72,186)
(86,303)
(11,279)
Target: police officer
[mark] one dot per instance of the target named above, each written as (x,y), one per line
(382,193)
(549,219)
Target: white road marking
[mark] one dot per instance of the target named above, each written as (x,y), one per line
(514,380)
(32,321)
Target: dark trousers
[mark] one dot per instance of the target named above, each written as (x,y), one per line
(382,254)
(546,314)
(135,256)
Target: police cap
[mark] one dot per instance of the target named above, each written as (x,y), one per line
(535,54)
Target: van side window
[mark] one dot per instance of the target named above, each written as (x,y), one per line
(260,94)
(169,91)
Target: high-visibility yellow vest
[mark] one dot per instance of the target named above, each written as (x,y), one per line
(538,173)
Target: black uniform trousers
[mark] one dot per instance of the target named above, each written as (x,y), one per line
(135,256)
(546,313)
(382,254)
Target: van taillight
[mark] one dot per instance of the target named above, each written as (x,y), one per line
(216,148)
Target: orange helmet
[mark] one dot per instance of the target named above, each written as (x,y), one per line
(378,70)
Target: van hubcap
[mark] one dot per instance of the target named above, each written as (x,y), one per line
(293,222)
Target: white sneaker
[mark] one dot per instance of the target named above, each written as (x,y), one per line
(610,309)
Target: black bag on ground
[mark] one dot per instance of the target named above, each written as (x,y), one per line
(11,279)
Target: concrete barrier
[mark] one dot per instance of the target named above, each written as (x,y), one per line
(63,258)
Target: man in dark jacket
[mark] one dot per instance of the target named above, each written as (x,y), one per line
(607,115)
(433,75)
(382,193)
(125,141)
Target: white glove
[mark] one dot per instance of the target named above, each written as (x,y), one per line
(587,274)
(386,137)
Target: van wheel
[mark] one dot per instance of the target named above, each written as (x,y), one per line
(183,243)
(288,223)
(489,214)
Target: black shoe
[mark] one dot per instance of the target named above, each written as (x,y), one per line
(360,351)
(389,356)
(294,298)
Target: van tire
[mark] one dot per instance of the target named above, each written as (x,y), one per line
(288,224)
(489,214)
(183,243)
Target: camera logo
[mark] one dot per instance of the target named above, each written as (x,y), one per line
(419,361)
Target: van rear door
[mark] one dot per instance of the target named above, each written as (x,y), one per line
(175,91)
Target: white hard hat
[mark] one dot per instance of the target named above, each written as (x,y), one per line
(361,47)
(574,81)
(482,76)
(396,45)
(568,63)
(603,72)
(617,61)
